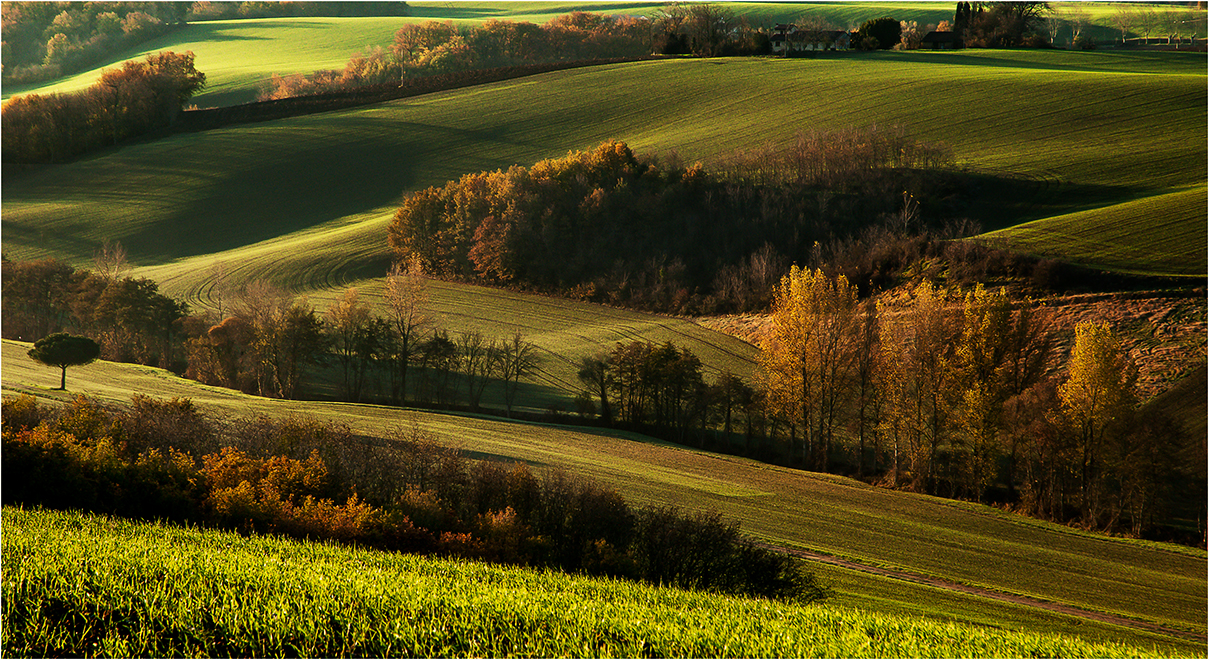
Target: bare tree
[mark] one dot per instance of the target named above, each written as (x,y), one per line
(479,359)
(516,359)
(407,298)
(110,261)
(1123,18)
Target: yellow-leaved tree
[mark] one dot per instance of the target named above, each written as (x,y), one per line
(1097,395)
(808,356)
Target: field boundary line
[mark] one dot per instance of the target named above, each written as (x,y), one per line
(1017,599)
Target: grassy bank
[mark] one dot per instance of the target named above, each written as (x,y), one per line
(95,586)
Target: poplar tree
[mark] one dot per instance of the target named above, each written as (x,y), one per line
(1097,393)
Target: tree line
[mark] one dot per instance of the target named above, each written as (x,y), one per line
(265,341)
(612,226)
(435,48)
(139,97)
(165,459)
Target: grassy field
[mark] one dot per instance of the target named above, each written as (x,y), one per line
(1164,234)
(96,586)
(972,544)
(240,55)
(304,202)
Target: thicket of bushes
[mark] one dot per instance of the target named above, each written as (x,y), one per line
(134,100)
(310,479)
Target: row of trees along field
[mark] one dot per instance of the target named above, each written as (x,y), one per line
(47,40)
(433,48)
(934,391)
(266,341)
(309,479)
(134,100)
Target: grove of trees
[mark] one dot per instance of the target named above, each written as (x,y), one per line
(958,396)
(140,97)
(613,226)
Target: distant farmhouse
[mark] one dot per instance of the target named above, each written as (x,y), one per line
(787,39)
(936,40)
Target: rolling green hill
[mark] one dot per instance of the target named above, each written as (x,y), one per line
(170,591)
(240,55)
(304,202)
(1164,235)
(972,544)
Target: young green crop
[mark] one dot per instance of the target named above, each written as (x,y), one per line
(94,586)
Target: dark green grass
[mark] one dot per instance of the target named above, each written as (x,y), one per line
(973,544)
(1160,235)
(1005,113)
(92,586)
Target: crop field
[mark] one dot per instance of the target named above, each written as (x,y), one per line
(972,544)
(98,586)
(1164,234)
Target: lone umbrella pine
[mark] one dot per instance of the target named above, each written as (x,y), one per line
(64,350)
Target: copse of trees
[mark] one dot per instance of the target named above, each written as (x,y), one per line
(127,317)
(617,227)
(316,480)
(955,395)
(138,98)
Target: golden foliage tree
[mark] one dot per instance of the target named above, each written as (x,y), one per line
(1097,394)
(808,356)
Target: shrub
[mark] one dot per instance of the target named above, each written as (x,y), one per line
(20,413)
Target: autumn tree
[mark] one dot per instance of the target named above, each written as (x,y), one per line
(919,374)
(1096,396)
(286,336)
(64,350)
(353,335)
(808,357)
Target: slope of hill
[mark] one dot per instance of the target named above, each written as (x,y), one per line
(171,591)
(1160,235)
(975,545)
(191,195)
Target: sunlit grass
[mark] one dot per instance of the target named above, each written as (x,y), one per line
(95,586)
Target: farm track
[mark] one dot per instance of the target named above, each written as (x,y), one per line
(1016,599)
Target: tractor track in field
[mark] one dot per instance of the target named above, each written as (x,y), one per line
(1016,599)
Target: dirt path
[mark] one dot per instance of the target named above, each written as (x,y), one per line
(990,593)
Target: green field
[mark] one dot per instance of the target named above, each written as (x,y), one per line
(1164,234)
(304,202)
(95,586)
(1095,157)
(972,544)
(240,55)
